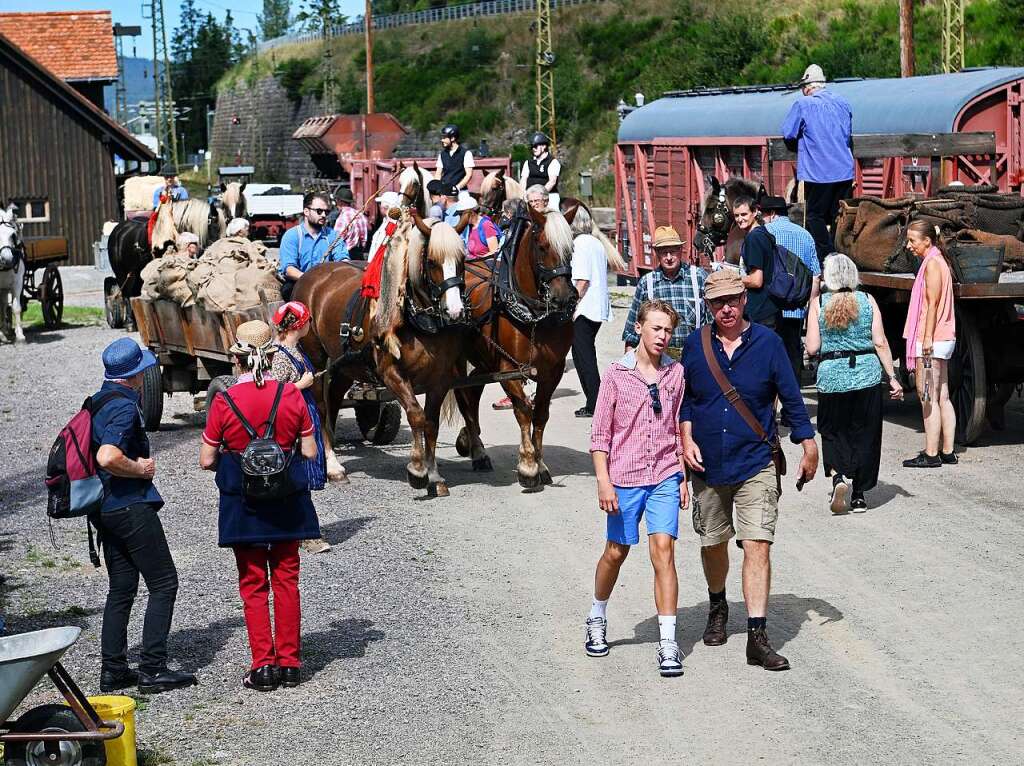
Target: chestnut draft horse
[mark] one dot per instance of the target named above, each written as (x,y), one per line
(523,307)
(420,288)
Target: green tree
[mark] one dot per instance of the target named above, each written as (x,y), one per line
(320,15)
(274,21)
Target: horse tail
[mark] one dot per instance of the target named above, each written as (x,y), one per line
(450,409)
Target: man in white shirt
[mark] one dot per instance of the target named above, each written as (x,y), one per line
(454,161)
(590,276)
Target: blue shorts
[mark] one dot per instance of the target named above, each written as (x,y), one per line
(657,503)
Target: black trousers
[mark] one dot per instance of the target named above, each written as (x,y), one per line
(584,357)
(287,288)
(850,426)
(134,544)
(789,331)
(822,205)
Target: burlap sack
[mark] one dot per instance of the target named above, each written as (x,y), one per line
(845,222)
(218,294)
(171,278)
(149,274)
(877,231)
(201,273)
(950,215)
(250,281)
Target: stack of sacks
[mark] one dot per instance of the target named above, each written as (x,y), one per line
(167,278)
(230,274)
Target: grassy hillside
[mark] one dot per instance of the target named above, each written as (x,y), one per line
(479,73)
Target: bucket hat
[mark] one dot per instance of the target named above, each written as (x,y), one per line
(666,236)
(812,75)
(723,283)
(124,359)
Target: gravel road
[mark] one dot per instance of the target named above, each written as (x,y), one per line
(449,630)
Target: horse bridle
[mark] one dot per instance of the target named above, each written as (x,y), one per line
(721,221)
(15,248)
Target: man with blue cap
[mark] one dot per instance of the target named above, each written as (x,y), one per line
(131,534)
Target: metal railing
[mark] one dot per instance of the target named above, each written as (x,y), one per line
(432,16)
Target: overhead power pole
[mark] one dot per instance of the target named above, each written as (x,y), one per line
(952,35)
(906,38)
(163,98)
(371,105)
(545,74)
(120,89)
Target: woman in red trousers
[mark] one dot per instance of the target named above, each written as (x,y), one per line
(264,534)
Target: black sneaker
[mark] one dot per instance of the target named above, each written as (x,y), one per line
(923,460)
(597,630)
(584,412)
(837,498)
(858,504)
(948,458)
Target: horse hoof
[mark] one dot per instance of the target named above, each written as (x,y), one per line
(438,489)
(483,464)
(545,477)
(529,482)
(417,482)
(338,478)
(463,444)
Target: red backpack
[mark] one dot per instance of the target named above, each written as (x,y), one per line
(73,484)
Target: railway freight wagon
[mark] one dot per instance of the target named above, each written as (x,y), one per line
(668,148)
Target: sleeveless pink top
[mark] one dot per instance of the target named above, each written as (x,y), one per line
(945,324)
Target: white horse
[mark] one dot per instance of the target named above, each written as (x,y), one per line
(12,271)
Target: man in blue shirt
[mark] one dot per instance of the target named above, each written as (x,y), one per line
(821,124)
(798,241)
(310,243)
(757,260)
(173,190)
(131,534)
(735,482)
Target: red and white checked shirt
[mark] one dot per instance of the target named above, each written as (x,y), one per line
(643,447)
(358,232)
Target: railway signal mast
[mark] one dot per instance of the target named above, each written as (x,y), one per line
(952,35)
(545,74)
(162,96)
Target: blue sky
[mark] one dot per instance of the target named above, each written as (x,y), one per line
(129,12)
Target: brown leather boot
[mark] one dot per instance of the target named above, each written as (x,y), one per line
(760,652)
(718,618)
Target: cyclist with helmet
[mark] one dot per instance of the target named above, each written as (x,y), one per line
(454,161)
(542,168)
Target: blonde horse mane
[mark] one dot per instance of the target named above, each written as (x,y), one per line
(191,215)
(558,235)
(513,189)
(392,290)
(445,246)
(231,195)
(165,232)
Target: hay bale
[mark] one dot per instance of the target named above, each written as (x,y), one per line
(138,192)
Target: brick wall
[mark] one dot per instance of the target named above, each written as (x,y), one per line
(263,136)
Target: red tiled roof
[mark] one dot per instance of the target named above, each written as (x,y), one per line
(74,45)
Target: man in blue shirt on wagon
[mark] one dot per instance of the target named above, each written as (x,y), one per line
(310,243)
(821,124)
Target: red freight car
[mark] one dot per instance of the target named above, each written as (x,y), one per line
(666,149)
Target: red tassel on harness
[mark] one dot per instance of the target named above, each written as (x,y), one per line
(371,278)
(152,219)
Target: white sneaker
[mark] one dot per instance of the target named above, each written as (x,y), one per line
(596,645)
(837,498)
(670,659)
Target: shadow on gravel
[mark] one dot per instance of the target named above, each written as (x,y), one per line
(787,614)
(196,648)
(338,532)
(47,618)
(342,639)
(884,493)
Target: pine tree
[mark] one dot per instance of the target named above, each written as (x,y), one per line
(274,20)
(320,15)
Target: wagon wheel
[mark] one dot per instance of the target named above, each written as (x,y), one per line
(379,422)
(113,304)
(218,385)
(51,293)
(967,385)
(152,404)
(48,719)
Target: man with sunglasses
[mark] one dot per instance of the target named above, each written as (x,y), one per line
(636,451)
(310,243)
(735,480)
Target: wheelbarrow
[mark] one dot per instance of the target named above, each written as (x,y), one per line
(48,735)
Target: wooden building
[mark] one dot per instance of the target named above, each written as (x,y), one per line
(57,154)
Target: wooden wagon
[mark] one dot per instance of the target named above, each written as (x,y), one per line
(192,347)
(45,253)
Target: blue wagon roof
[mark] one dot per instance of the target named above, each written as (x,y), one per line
(926,104)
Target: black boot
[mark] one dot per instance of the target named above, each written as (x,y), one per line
(262,679)
(165,681)
(112,681)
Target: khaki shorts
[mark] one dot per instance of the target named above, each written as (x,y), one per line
(756,503)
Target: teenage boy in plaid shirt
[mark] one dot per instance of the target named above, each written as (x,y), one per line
(637,458)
